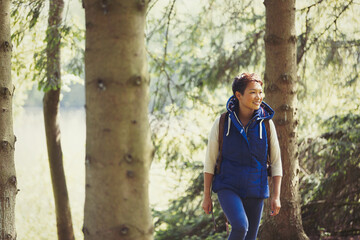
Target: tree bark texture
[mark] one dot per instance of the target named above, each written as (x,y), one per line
(118,145)
(281,89)
(52,129)
(8,183)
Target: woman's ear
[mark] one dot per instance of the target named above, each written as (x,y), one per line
(238,95)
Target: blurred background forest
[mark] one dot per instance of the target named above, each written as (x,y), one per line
(195,48)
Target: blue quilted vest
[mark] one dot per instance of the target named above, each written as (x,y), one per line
(244,154)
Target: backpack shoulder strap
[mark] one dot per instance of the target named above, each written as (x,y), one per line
(267,127)
(220,139)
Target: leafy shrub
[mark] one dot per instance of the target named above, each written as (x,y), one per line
(330,181)
(185,219)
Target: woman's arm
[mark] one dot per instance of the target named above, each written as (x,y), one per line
(212,147)
(275,154)
(209,164)
(275,195)
(207,205)
(276,170)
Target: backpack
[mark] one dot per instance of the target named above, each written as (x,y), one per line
(223,117)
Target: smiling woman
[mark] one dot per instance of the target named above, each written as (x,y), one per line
(248,90)
(241,179)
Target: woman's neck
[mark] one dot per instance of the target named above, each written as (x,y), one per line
(245,115)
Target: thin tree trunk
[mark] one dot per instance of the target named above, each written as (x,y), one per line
(62,205)
(281,81)
(52,129)
(118,146)
(8,187)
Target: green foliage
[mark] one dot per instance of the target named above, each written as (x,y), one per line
(29,21)
(185,218)
(31,10)
(330,184)
(193,56)
(207,49)
(72,96)
(180,134)
(328,65)
(75,65)
(180,138)
(71,38)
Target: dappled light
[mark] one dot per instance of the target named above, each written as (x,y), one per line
(130,90)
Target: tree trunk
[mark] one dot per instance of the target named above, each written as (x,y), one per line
(8,187)
(281,80)
(118,145)
(52,129)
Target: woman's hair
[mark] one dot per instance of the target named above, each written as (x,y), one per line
(240,82)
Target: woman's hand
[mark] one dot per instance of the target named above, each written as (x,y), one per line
(275,196)
(207,205)
(275,206)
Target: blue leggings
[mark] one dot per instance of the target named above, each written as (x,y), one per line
(244,214)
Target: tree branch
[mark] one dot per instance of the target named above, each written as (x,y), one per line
(316,38)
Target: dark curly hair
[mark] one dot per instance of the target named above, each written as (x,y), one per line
(240,82)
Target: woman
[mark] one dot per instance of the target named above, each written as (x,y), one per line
(241,184)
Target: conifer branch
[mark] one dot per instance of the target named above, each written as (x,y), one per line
(317,38)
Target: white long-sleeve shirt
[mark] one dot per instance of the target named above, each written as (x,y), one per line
(213,149)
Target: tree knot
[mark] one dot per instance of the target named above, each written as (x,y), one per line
(101,85)
(6,46)
(286,78)
(285,107)
(12,180)
(104,6)
(5,145)
(85,231)
(141,4)
(8,237)
(128,158)
(124,230)
(272,39)
(130,174)
(273,88)
(136,80)
(5,92)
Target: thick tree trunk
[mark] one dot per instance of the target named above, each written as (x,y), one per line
(281,81)
(52,129)
(118,146)
(8,188)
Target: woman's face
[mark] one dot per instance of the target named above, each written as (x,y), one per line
(252,98)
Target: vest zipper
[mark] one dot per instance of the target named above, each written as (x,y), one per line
(247,127)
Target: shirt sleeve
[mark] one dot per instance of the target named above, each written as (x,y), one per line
(275,154)
(212,148)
